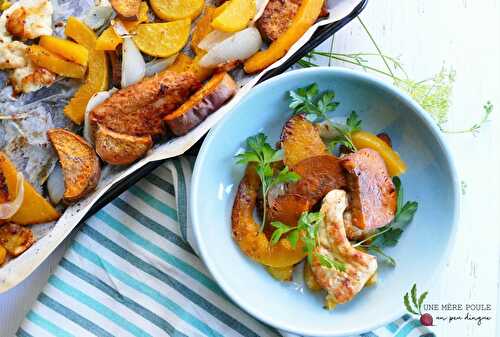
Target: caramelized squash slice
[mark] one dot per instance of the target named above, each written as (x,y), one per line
(235,15)
(177,9)
(205,101)
(307,14)
(251,241)
(65,48)
(202,28)
(283,274)
(79,163)
(127,9)
(185,63)
(162,39)
(48,60)
(35,208)
(300,140)
(98,70)
(109,40)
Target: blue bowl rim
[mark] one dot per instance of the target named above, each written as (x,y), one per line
(333,71)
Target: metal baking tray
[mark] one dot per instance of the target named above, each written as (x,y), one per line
(321,34)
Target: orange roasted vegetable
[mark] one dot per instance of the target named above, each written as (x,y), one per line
(50,61)
(307,14)
(127,9)
(35,208)
(98,70)
(300,140)
(109,40)
(283,274)
(69,50)
(162,39)
(246,232)
(234,15)
(177,9)
(185,63)
(202,28)
(395,165)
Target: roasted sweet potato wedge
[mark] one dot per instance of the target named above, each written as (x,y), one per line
(127,9)
(120,149)
(79,163)
(246,233)
(372,195)
(286,208)
(220,88)
(300,140)
(139,108)
(319,175)
(15,238)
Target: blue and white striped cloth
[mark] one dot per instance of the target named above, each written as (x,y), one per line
(131,271)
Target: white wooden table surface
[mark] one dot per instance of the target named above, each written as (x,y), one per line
(464,35)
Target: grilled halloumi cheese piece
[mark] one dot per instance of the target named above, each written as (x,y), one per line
(28,19)
(360,267)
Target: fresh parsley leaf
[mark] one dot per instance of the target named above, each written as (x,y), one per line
(328,262)
(281,229)
(263,155)
(391,237)
(405,215)
(293,237)
(353,122)
(377,250)
(286,176)
(307,231)
(309,101)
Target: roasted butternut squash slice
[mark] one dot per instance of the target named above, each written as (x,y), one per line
(185,63)
(235,15)
(109,40)
(283,274)
(15,238)
(162,39)
(300,140)
(307,14)
(69,50)
(202,28)
(79,163)
(35,208)
(98,69)
(251,241)
(177,9)
(50,61)
(3,255)
(127,9)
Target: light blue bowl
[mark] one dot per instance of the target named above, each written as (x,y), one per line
(422,251)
